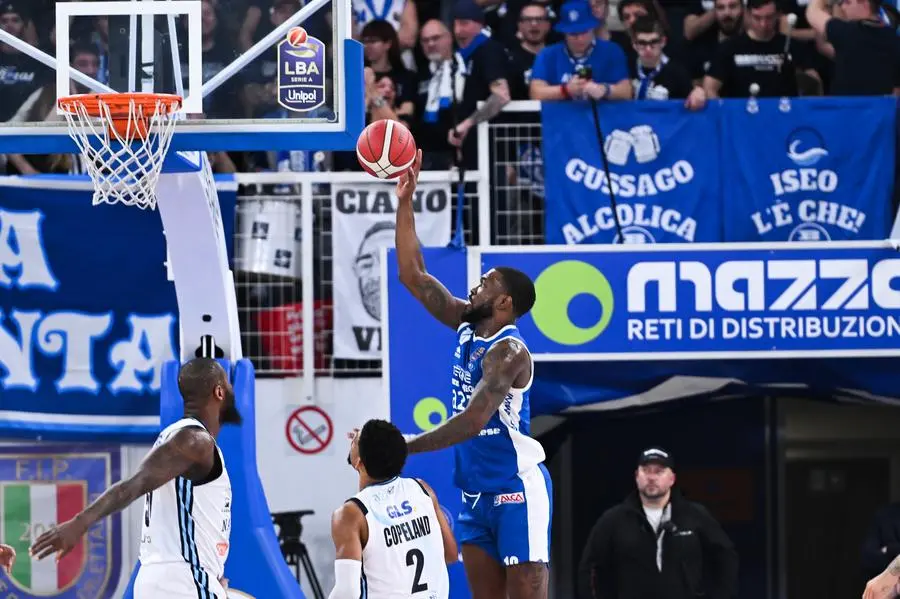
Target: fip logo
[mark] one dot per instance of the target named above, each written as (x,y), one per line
(404,509)
(805,146)
(556,288)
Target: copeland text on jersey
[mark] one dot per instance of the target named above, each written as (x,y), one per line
(404,556)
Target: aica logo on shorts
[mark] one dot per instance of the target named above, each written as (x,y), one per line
(506,498)
(404,509)
(39,490)
(301,74)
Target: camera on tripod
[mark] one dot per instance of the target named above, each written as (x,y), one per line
(290,529)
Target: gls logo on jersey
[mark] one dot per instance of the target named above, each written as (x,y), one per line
(395,512)
(637,219)
(806,148)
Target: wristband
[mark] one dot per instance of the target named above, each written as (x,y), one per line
(565,91)
(607,92)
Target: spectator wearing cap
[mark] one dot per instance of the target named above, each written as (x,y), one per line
(581,66)
(22,75)
(657,545)
(865,51)
(487,69)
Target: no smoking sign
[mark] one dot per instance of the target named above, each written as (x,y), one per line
(309,430)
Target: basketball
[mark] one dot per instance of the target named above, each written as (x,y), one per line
(386,149)
(296,36)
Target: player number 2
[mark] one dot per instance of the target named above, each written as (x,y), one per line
(459,400)
(415,558)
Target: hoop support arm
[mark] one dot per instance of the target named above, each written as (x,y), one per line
(207,304)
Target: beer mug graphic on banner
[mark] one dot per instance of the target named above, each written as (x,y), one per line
(646,143)
(618,147)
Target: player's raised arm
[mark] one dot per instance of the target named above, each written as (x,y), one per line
(502,364)
(428,290)
(346,532)
(451,551)
(189,452)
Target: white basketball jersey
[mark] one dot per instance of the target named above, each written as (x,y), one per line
(187,521)
(404,556)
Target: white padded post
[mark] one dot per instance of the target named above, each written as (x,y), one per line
(207,305)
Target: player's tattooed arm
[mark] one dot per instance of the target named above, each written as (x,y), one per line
(424,287)
(189,452)
(501,366)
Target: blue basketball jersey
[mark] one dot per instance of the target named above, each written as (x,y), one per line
(503,452)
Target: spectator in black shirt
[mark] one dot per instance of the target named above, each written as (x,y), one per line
(20,75)
(756,56)
(866,53)
(381,49)
(534,26)
(712,22)
(501,15)
(487,72)
(629,11)
(654,75)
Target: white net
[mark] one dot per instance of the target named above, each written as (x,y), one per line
(123,143)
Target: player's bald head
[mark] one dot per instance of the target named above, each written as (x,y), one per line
(198,379)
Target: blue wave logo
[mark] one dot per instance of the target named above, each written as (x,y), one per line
(806,147)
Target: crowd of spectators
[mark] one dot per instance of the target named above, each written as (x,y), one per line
(431,62)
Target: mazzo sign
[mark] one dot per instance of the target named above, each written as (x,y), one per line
(706,303)
(663,173)
(88,316)
(364,219)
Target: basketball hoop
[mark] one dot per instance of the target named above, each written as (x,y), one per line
(124,139)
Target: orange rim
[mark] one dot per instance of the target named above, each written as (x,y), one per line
(119,105)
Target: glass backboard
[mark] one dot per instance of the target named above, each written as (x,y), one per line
(283,74)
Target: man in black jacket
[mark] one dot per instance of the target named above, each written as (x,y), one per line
(657,544)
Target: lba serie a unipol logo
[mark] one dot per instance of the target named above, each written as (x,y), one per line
(301,71)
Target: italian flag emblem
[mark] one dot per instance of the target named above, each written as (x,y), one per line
(29,509)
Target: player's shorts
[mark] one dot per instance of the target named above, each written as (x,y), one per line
(512,527)
(175,581)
